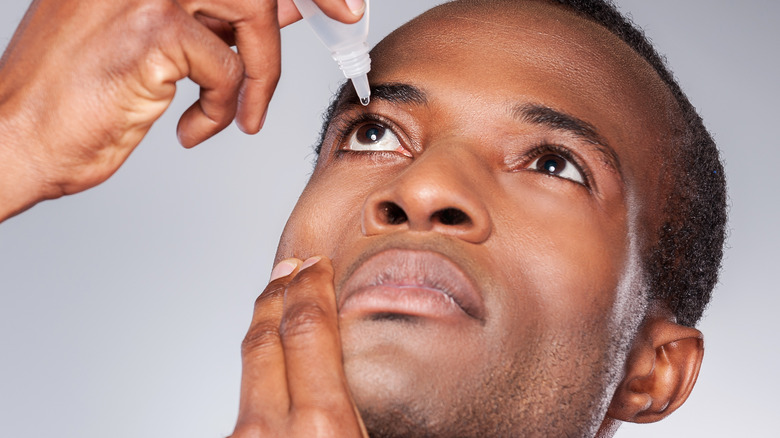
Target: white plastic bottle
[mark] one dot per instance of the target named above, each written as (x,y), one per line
(346,42)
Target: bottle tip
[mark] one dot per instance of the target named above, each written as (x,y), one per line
(362,89)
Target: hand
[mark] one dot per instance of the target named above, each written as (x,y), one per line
(293,382)
(82,81)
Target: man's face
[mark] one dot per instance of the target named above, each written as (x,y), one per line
(484,215)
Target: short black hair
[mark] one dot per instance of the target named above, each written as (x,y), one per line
(684,263)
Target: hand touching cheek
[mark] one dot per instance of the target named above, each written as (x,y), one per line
(293,382)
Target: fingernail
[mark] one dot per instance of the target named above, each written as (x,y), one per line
(310,261)
(356,6)
(283,269)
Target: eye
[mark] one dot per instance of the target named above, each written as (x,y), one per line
(374,137)
(557,165)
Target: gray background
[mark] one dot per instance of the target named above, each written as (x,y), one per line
(122,308)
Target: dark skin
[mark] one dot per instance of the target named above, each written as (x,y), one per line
(83,81)
(480,226)
(555,257)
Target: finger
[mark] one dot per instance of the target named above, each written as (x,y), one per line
(259,44)
(218,70)
(222,29)
(287,13)
(312,347)
(346,11)
(256,31)
(263,379)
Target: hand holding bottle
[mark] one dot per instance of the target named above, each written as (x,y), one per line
(82,81)
(346,42)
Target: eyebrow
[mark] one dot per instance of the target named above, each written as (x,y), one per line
(559,121)
(390,92)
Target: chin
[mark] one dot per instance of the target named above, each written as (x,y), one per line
(402,392)
(404,387)
(398,393)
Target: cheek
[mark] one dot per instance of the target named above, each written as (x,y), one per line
(327,212)
(558,297)
(566,253)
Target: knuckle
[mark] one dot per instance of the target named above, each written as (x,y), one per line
(267,79)
(302,319)
(264,67)
(153,17)
(308,279)
(259,338)
(265,7)
(233,69)
(271,291)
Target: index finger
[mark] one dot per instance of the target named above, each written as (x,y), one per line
(346,11)
(256,30)
(312,348)
(263,377)
(258,43)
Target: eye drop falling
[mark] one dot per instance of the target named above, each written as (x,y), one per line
(346,42)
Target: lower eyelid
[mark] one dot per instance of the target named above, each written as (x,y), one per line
(378,157)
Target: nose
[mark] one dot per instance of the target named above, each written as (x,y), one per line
(437,192)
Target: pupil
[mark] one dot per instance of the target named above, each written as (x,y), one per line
(551,164)
(370,133)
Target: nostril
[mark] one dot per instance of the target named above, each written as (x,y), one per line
(392,213)
(451,216)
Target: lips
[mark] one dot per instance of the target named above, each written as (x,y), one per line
(413,283)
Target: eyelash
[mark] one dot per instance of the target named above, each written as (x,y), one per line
(551,148)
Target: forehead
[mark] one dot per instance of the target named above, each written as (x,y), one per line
(525,47)
(469,57)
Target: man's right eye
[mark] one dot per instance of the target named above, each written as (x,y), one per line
(374,137)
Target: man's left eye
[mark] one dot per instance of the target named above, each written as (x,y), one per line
(374,137)
(556,165)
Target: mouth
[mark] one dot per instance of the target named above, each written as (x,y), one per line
(401,284)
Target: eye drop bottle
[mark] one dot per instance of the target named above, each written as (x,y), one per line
(346,42)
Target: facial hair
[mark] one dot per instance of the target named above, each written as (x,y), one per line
(525,396)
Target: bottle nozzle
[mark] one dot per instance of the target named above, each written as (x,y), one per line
(362,88)
(347,43)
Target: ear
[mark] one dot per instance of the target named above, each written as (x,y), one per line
(661,370)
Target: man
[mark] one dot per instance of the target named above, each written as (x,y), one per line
(511,240)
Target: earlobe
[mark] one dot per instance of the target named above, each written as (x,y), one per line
(660,373)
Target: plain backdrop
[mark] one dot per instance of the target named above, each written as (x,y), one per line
(122,308)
